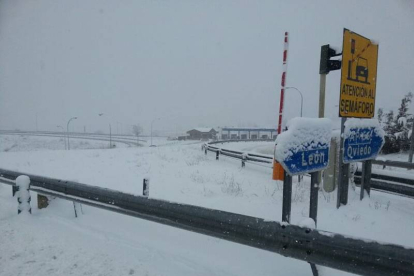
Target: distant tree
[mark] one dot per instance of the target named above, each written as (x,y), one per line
(380,115)
(397,127)
(390,145)
(403,110)
(389,123)
(401,127)
(136,130)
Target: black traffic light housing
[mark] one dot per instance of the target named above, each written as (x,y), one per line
(326,64)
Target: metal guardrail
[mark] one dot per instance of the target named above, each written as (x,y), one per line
(246,157)
(393,184)
(398,185)
(319,247)
(391,163)
(390,183)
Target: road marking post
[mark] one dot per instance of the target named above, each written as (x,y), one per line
(23,194)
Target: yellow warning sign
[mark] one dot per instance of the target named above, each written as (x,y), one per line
(358,76)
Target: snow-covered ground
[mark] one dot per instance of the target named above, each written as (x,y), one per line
(52,241)
(41,142)
(23,142)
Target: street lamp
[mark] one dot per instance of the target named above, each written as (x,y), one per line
(301,97)
(110,132)
(67,129)
(63,131)
(151,129)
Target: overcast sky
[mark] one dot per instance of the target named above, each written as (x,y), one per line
(190,63)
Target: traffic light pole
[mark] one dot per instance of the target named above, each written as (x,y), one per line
(322,85)
(326,65)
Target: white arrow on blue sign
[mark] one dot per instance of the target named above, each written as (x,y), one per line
(363,140)
(304,147)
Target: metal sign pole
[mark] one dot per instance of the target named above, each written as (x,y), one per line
(322,85)
(361,194)
(287,197)
(366,178)
(342,169)
(313,205)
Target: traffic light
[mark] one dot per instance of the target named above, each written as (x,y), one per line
(326,64)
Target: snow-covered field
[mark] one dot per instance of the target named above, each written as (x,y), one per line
(42,142)
(23,142)
(52,241)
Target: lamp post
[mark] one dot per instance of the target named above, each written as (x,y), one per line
(63,131)
(67,129)
(151,130)
(301,98)
(110,132)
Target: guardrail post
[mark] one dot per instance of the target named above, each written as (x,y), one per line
(366,178)
(217,154)
(23,194)
(313,205)
(75,208)
(243,160)
(145,187)
(287,197)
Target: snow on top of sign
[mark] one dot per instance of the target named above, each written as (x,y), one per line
(303,134)
(353,123)
(374,41)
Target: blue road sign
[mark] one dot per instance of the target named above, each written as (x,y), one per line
(362,144)
(311,160)
(304,147)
